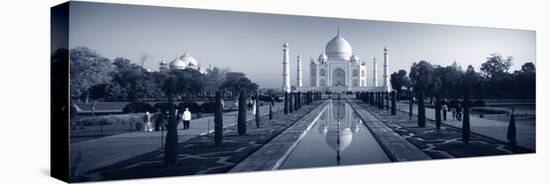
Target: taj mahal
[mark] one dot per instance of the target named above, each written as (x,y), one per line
(338,69)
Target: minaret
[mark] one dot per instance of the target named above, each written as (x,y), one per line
(386,70)
(374,73)
(286,69)
(299,72)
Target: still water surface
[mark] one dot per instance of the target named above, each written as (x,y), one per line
(338,137)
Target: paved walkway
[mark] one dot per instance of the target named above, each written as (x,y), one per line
(105,151)
(445,142)
(526,134)
(198,155)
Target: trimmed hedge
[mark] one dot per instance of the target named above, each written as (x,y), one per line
(194,107)
(118,119)
(453,103)
(137,107)
(479,103)
(163,106)
(208,107)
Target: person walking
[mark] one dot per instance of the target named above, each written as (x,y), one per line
(249,105)
(458,112)
(444,108)
(158,119)
(186,118)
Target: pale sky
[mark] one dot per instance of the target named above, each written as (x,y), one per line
(252,43)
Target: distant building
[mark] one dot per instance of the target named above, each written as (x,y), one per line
(182,62)
(337,69)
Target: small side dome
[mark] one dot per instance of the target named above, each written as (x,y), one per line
(354,59)
(322,58)
(285,44)
(189,60)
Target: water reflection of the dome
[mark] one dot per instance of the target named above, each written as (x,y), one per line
(338,123)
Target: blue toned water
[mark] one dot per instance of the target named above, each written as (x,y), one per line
(338,137)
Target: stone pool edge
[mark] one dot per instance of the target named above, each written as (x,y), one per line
(396,147)
(274,153)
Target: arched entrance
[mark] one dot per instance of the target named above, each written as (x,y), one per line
(338,77)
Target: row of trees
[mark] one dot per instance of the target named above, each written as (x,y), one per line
(94,77)
(493,81)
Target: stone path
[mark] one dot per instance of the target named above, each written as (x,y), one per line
(198,155)
(526,133)
(396,146)
(444,143)
(108,150)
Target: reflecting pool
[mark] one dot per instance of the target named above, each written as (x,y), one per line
(338,137)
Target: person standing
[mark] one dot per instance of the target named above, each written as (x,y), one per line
(186,118)
(253,107)
(148,125)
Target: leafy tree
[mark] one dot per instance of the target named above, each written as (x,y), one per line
(471,80)
(496,65)
(87,68)
(525,81)
(399,81)
(423,81)
(236,82)
(450,78)
(214,79)
(98,92)
(132,82)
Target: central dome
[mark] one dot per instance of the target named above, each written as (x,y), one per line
(338,48)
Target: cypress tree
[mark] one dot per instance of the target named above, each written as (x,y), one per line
(393,103)
(511,136)
(218,120)
(411,103)
(291,102)
(171,145)
(421,110)
(437,112)
(387,94)
(241,124)
(466,118)
(381,102)
(270,113)
(258,117)
(286,103)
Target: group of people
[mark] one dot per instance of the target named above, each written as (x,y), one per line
(456,110)
(161,118)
